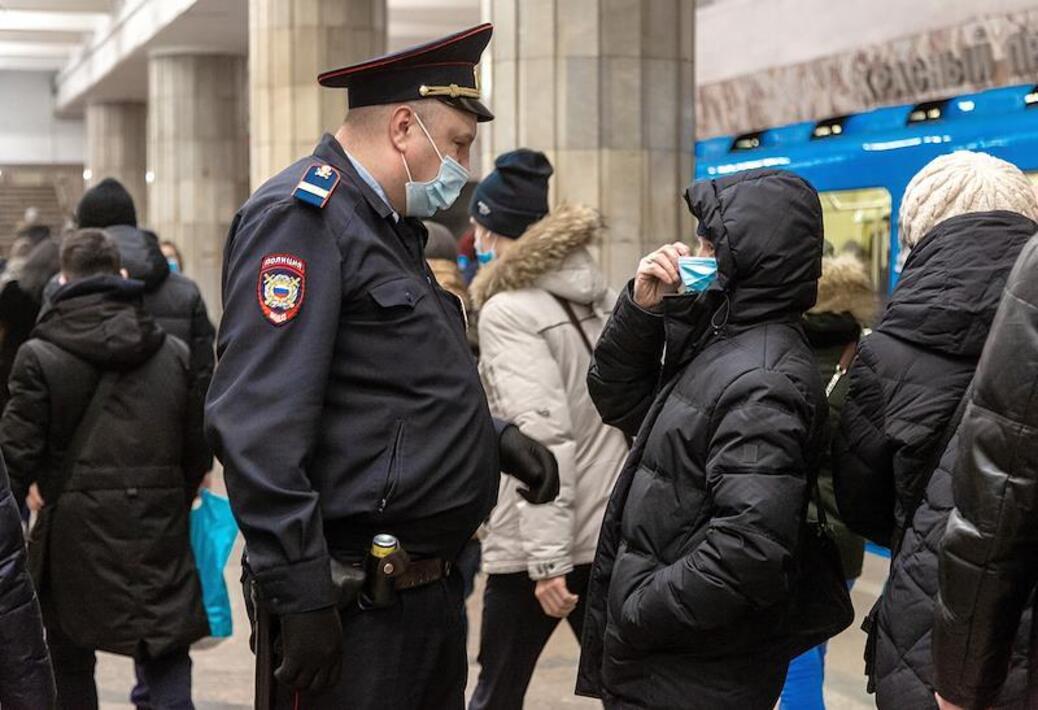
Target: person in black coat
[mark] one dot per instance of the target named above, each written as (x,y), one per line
(905,385)
(988,554)
(20,303)
(26,678)
(690,586)
(171,298)
(105,418)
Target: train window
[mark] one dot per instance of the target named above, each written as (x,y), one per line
(927,111)
(858,222)
(1031,99)
(747,141)
(829,127)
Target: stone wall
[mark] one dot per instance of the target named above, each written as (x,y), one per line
(993,50)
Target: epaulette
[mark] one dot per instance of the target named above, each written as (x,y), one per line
(318,183)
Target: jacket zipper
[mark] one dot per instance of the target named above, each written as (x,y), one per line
(391,468)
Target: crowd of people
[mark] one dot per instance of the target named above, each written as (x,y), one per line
(694,463)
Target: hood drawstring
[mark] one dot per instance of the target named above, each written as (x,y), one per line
(727,308)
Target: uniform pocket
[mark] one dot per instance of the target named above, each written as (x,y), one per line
(402,293)
(393,466)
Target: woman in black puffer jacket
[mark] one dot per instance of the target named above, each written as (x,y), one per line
(26,679)
(905,385)
(988,555)
(688,599)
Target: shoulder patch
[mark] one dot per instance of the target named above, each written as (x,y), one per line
(281,287)
(318,183)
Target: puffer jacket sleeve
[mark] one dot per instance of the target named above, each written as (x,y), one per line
(756,473)
(524,386)
(989,555)
(625,367)
(26,421)
(863,463)
(26,679)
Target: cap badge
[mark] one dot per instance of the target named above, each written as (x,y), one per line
(483,208)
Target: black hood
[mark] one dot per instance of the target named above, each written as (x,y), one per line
(953,280)
(830,330)
(101,320)
(141,255)
(766,227)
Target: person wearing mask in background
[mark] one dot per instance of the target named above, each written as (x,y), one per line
(689,599)
(965,217)
(441,253)
(103,418)
(543,302)
(21,300)
(846,305)
(172,254)
(987,556)
(26,678)
(346,403)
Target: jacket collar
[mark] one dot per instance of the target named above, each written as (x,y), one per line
(330,151)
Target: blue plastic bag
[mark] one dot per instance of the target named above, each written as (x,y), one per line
(213,531)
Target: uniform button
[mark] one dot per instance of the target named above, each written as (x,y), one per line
(429,279)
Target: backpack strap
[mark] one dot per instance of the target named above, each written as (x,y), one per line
(568,308)
(83,431)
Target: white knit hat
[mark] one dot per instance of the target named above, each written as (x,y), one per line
(960,183)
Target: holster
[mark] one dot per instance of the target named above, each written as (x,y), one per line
(348,581)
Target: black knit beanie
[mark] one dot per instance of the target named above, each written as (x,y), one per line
(515,195)
(106,204)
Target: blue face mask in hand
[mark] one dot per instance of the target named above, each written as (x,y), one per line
(697,272)
(424,199)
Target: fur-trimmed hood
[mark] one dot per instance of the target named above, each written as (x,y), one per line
(552,254)
(845,287)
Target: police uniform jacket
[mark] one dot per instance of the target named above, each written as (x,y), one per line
(346,402)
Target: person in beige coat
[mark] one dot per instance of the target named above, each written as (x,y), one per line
(543,302)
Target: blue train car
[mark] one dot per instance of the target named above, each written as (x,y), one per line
(861,163)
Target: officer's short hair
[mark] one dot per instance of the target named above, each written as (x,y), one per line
(89,252)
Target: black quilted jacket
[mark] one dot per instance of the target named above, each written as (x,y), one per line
(26,680)
(905,385)
(689,594)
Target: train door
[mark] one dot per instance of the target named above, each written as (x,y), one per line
(858,222)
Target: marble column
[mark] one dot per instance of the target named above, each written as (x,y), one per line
(290,43)
(116,147)
(606,89)
(197,157)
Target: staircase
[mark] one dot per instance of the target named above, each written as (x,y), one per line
(14,199)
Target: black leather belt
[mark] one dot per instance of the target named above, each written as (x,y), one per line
(422,572)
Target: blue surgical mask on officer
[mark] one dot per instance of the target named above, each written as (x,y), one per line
(697,272)
(174,266)
(424,199)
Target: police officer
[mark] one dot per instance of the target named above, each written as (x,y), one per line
(346,404)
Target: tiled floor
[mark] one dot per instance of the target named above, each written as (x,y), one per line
(223,674)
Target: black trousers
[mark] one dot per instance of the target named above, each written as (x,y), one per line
(409,656)
(168,677)
(515,630)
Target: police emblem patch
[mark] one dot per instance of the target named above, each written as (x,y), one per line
(281,287)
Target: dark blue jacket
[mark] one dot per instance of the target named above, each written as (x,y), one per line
(345,401)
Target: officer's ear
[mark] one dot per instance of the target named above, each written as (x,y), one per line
(401,120)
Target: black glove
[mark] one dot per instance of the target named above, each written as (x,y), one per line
(311,650)
(532,463)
